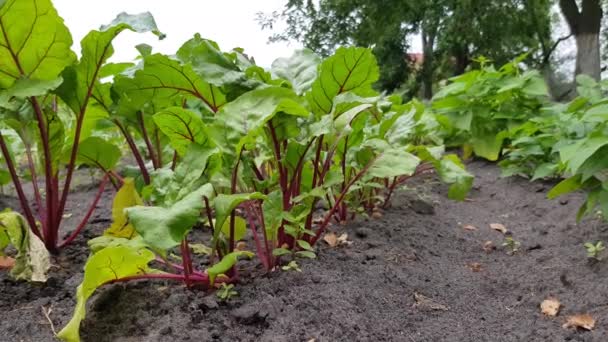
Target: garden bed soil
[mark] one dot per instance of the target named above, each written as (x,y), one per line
(415,274)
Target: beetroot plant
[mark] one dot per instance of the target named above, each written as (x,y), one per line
(52,100)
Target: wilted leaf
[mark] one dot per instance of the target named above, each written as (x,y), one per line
(499,227)
(33,260)
(582,321)
(550,306)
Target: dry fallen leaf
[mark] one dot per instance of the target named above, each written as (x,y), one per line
(583,321)
(331,238)
(550,306)
(6,262)
(488,246)
(475,267)
(343,240)
(425,302)
(499,227)
(377,214)
(469,227)
(241,246)
(334,240)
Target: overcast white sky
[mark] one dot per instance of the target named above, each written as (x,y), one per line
(231,23)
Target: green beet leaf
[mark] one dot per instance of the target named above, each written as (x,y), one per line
(33,260)
(95,151)
(566,186)
(576,154)
(240,228)
(209,62)
(243,119)
(225,204)
(393,163)
(36,43)
(300,69)
(350,69)
(106,265)
(452,171)
(226,264)
(166,78)
(81,80)
(164,228)
(183,128)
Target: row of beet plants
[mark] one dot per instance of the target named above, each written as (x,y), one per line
(220,144)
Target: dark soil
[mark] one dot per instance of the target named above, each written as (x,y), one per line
(366,291)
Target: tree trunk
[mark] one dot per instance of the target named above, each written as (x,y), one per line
(585,24)
(588,55)
(428,42)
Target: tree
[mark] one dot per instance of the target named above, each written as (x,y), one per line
(453,32)
(585,24)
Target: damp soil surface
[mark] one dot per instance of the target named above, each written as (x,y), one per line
(418,273)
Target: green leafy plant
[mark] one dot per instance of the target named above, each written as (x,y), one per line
(594,250)
(583,154)
(292,266)
(478,108)
(226,292)
(511,244)
(219,142)
(52,100)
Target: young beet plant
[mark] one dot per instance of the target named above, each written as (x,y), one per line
(52,100)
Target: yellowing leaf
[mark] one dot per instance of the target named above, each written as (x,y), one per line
(499,227)
(108,264)
(33,260)
(550,306)
(582,321)
(126,197)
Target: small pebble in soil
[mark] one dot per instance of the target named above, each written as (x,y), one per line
(248,315)
(563,201)
(422,207)
(166,331)
(363,232)
(209,302)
